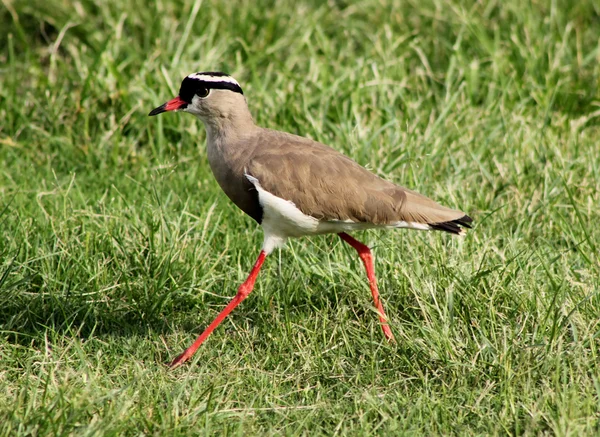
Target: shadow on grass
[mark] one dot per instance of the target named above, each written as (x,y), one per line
(30,306)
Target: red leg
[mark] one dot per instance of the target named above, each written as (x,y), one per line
(367,258)
(242,293)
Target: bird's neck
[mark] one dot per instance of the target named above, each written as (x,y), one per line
(228,127)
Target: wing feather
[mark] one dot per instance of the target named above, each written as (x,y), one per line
(327,185)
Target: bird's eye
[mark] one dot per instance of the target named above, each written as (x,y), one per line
(202,92)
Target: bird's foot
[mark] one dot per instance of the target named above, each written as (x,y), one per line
(179,360)
(388,333)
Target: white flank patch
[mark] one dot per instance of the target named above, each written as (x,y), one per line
(412,225)
(209,78)
(337,226)
(281,218)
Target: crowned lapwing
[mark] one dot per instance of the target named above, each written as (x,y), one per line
(294,186)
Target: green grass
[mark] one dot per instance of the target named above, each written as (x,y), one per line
(117,247)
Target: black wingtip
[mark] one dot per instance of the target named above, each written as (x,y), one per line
(454,226)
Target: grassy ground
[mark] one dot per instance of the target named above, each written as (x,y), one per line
(117,247)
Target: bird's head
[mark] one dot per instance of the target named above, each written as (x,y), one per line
(208,95)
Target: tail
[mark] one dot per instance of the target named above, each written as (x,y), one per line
(423,213)
(458,226)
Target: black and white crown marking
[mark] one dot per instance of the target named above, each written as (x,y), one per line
(198,83)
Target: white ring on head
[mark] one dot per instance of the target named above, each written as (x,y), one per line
(209,78)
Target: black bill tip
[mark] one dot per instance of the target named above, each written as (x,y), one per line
(159,110)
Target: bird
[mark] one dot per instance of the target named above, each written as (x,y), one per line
(294,187)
